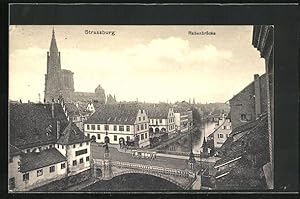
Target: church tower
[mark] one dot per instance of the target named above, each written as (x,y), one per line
(52,78)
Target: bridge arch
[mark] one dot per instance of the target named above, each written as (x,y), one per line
(115,174)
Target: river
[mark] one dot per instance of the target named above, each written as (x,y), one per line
(183,145)
(133,182)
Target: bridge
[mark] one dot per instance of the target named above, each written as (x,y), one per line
(178,170)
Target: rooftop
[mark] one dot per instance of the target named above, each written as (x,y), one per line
(114,114)
(71,135)
(33,125)
(36,160)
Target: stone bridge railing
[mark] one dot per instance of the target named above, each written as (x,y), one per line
(164,170)
(183,178)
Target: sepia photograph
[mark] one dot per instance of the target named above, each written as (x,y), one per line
(107,108)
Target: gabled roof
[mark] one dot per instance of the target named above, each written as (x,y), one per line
(32,124)
(71,135)
(114,114)
(157,111)
(34,160)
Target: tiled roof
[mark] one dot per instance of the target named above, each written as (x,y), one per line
(14,150)
(253,142)
(34,160)
(114,114)
(32,124)
(72,135)
(157,111)
(72,109)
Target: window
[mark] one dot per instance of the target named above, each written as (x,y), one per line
(142,136)
(74,162)
(115,138)
(220,135)
(26,177)
(28,150)
(81,161)
(51,169)
(115,128)
(63,165)
(142,111)
(12,183)
(138,127)
(127,138)
(98,136)
(50,146)
(146,135)
(121,128)
(93,127)
(62,146)
(98,127)
(160,120)
(88,127)
(223,127)
(87,143)
(139,118)
(58,146)
(80,144)
(88,135)
(80,152)
(106,127)
(74,145)
(246,117)
(127,128)
(39,172)
(144,118)
(145,126)
(142,126)
(87,158)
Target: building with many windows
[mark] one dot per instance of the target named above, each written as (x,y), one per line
(161,118)
(40,140)
(119,124)
(183,117)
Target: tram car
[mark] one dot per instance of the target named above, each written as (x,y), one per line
(143,154)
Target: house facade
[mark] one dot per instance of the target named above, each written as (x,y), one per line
(37,155)
(183,117)
(249,103)
(119,124)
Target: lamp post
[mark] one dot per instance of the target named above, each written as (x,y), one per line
(192,160)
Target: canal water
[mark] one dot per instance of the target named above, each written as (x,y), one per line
(183,145)
(133,182)
(143,182)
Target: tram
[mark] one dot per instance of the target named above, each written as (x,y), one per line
(143,155)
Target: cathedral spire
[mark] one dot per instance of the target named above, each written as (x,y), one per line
(53,45)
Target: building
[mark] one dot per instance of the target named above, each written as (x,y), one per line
(263,41)
(35,148)
(244,154)
(60,82)
(249,103)
(161,119)
(182,119)
(221,132)
(119,124)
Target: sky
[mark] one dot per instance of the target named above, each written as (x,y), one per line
(149,63)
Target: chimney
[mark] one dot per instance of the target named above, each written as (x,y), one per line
(57,129)
(257,95)
(52,109)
